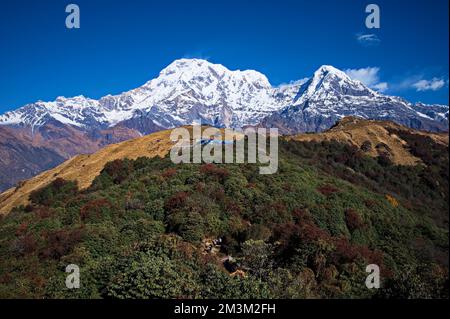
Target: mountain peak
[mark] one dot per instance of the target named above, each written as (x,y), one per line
(324,70)
(327,78)
(186,69)
(191,67)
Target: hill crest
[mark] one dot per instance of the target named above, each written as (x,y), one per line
(350,130)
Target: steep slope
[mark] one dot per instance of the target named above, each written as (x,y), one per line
(331,95)
(20,159)
(375,138)
(84,168)
(27,152)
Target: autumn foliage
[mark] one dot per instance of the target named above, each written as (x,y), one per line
(353,220)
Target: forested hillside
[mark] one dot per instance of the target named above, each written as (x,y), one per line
(148,228)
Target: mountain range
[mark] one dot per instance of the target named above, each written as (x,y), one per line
(40,135)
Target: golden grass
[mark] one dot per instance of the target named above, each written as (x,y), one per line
(356,131)
(84,168)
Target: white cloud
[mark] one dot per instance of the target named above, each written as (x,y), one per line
(297,82)
(381,87)
(369,76)
(368,39)
(429,85)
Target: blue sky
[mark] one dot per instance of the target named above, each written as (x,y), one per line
(123,44)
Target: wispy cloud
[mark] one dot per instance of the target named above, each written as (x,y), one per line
(196,55)
(381,87)
(419,83)
(369,76)
(429,85)
(293,83)
(368,39)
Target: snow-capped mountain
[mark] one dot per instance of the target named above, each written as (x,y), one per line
(185,91)
(193,89)
(434,112)
(331,95)
(41,135)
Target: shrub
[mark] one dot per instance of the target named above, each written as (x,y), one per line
(257,257)
(176,201)
(214,170)
(168,173)
(366,146)
(59,189)
(119,170)
(24,245)
(353,220)
(327,190)
(148,276)
(95,209)
(61,242)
